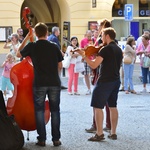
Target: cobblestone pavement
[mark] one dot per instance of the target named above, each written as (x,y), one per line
(76,115)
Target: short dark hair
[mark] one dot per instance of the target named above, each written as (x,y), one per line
(74,37)
(111,32)
(41,29)
(19,29)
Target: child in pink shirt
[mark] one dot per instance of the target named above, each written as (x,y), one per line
(7,65)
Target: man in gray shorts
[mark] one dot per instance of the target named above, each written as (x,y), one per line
(107,86)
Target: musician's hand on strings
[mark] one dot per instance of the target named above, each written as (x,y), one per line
(81,52)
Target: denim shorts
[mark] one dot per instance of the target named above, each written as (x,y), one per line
(105,93)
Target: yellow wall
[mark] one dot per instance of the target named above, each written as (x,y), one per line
(10,13)
(78,12)
(81,12)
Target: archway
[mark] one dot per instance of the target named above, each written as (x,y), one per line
(53,13)
(43,11)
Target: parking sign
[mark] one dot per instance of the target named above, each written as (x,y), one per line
(128,12)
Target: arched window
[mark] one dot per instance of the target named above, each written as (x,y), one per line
(118,8)
(144,8)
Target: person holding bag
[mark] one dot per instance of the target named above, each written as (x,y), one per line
(66,61)
(72,75)
(143,50)
(128,64)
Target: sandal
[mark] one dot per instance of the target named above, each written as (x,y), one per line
(127,92)
(112,136)
(97,138)
(133,92)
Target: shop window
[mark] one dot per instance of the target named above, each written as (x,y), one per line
(118,8)
(144,8)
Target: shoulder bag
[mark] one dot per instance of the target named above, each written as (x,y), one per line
(127,59)
(66,61)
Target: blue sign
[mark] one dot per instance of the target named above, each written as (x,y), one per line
(128,12)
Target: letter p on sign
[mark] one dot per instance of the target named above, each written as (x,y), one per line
(128,12)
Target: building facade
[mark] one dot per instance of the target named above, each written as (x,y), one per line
(73,17)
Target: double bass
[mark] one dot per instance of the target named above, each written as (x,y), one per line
(21,104)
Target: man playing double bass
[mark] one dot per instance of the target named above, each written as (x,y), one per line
(47,61)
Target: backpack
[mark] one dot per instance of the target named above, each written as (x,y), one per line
(11,136)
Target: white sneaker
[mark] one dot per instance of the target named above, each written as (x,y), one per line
(70,93)
(84,81)
(7,92)
(5,98)
(76,93)
(88,92)
(144,91)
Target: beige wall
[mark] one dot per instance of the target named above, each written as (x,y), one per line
(9,16)
(78,12)
(81,12)
(10,13)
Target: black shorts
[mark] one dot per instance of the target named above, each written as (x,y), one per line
(105,93)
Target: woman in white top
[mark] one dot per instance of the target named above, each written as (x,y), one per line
(128,68)
(13,44)
(72,76)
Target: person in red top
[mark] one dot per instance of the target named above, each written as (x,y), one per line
(95,37)
(84,43)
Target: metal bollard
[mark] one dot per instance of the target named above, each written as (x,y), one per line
(63,72)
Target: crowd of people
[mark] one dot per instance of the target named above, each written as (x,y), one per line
(106,63)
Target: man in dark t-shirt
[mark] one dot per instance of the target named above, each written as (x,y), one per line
(54,38)
(107,86)
(103,24)
(47,60)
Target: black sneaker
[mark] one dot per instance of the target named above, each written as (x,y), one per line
(91,130)
(121,90)
(97,138)
(63,88)
(40,143)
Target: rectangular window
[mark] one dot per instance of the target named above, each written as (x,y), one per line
(144,8)
(93,3)
(5,32)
